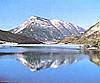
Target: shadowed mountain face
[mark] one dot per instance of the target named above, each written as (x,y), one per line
(6,36)
(47,30)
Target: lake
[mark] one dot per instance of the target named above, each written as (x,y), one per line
(48,64)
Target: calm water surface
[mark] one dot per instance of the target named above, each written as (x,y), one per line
(48,65)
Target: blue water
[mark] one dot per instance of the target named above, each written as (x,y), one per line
(48,65)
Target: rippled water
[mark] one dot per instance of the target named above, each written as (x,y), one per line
(48,65)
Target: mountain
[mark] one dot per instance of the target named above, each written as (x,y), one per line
(47,30)
(93,31)
(6,36)
(92,35)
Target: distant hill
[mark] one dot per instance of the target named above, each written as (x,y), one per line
(7,36)
(69,40)
(43,29)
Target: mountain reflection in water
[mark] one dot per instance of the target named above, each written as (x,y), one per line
(51,65)
(95,57)
(51,59)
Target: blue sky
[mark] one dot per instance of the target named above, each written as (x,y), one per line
(80,12)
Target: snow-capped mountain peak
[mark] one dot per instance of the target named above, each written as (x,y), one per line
(45,29)
(32,17)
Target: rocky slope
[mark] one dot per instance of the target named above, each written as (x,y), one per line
(6,36)
(93,31)
(92,35)
(47,30)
